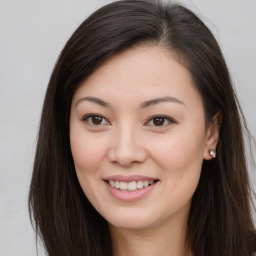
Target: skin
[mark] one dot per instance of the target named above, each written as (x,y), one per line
(126,141)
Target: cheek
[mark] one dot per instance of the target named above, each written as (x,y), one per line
(181,161)
(88,153)
(85,155)
(88,150)
(180,155)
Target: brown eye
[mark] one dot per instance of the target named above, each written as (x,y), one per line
(158,121)
(95,120)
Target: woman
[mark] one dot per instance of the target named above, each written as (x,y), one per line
(140,148)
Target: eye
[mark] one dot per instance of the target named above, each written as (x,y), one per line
(95,120)
(159,121)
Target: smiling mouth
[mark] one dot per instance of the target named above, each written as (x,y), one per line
(132,185)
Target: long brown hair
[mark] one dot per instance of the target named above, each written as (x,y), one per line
(220,220)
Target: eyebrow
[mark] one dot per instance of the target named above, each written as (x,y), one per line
(94,100)
(161,100)
(143,105)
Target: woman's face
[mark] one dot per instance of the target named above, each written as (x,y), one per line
(138,138)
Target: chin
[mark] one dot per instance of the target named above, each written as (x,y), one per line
(131,224)
(137,220)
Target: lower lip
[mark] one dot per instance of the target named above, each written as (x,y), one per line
(129,196)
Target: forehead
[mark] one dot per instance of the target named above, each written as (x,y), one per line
(140,72)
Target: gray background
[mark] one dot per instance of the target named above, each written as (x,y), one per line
(32,33)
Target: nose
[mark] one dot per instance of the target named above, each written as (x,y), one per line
(126,148)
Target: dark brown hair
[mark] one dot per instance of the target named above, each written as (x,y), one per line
(220,220)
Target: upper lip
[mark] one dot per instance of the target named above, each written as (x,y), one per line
(129,178)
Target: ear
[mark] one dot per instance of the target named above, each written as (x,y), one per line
(212,135)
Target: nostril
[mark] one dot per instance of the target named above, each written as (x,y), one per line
(127,152)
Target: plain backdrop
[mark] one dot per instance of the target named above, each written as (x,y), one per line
(32,33)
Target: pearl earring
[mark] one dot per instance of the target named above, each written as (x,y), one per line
(212,153)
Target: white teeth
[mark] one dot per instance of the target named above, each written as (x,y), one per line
(145,183)
(130,186)
(123,185)
(140,184)
(116,184)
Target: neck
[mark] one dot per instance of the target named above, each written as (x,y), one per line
(162,240)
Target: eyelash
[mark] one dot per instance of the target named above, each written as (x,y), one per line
(88,118)
(163,117)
